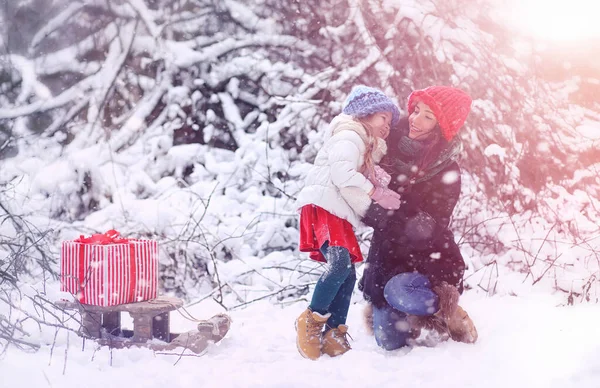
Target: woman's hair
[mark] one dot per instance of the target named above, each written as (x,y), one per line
(434,148)
(430,153)
(371,144)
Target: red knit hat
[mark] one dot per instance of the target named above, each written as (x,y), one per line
(451,106)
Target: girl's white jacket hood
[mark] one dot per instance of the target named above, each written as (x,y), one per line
(334,181)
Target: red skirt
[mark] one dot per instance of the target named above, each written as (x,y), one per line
(317,226)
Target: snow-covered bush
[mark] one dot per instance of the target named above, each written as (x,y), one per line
(192,122)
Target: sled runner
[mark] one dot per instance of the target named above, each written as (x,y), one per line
(151,325)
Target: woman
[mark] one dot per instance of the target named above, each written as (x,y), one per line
(414,269)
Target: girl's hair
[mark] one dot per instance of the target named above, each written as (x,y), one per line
(371,144)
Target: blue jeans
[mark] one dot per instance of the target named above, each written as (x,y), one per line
(334,289)
(406,293)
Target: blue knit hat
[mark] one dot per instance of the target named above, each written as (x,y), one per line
(363,101)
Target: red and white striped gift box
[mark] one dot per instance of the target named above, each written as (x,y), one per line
(107,270)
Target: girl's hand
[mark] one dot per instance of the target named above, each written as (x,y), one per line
(383,177)
(379,177)
(386,198)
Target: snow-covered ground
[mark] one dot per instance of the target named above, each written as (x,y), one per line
(236,207)
(529,341)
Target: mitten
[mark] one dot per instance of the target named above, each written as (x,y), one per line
(386,198)
(379,177)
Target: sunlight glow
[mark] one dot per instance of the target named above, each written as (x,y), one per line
(559,20)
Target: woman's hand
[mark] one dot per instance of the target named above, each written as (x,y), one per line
(386,198)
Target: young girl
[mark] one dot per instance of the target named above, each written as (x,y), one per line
(337,193)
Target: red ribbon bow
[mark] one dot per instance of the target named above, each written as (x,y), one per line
(110,237)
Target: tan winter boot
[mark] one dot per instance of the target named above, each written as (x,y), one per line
(434,331)
(309,328)
(461,327)
(335,342)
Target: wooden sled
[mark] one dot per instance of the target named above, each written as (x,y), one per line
(151,322)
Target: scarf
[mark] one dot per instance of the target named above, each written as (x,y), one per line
(418,161)
(375,146)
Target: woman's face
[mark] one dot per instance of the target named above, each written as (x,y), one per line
(422,122)
(380,123)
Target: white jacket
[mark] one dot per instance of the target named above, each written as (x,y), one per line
(334,181)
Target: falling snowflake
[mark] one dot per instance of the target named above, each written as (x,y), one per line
(450,177)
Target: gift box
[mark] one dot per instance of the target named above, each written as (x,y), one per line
(107,269)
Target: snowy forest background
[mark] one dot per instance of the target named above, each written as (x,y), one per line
(192,122)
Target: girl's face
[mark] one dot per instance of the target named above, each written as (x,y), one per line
(380,122)
(422,122)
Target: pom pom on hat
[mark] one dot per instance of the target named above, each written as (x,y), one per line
(451,106)
(363,101)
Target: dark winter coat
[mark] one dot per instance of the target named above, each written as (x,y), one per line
(416,236)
